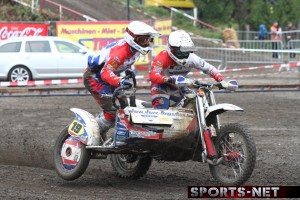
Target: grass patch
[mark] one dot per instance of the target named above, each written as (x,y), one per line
(16,12)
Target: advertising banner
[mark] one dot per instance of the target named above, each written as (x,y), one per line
(8,30)
(171,3)
(164,27)
(95,35)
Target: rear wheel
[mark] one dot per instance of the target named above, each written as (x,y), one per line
(19,74)
(71,158)
(130,166)
(237,147)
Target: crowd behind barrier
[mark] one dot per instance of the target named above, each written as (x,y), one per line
(253,35)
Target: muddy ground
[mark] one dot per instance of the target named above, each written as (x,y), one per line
(30,125)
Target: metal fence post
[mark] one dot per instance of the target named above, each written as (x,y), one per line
(60,12)
(32,6)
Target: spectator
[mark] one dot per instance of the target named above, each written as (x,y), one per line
(262,33)
(290,35)
(230,37)
(276,37)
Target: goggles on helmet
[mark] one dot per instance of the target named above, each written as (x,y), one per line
(181,52)
(142,40)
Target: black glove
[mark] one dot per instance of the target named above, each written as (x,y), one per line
(130,73)
(171,80)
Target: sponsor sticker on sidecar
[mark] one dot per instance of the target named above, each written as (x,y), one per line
(145,134)
(156,116)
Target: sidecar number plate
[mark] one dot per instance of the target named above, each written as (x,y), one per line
(76,128)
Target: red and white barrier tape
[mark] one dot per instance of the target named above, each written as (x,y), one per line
(71,81)
(42,82)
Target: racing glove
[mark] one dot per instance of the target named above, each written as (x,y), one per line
(171,80)
(129,72)
(227,85)
(179,81)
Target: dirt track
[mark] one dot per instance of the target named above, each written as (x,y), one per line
(29,127)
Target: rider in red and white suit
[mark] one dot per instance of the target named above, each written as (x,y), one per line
(178,60)
(102,76)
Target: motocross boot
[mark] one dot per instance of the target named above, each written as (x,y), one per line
(104,126)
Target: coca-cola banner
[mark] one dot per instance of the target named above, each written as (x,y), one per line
(8,30)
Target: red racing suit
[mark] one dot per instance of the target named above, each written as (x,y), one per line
(163,66)
(101,77)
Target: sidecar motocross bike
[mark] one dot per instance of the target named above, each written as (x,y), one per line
(191,131)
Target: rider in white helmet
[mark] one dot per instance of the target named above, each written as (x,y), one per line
(178,60)
(102,74)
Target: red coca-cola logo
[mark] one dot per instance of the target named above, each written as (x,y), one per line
(22,30)
(29,31)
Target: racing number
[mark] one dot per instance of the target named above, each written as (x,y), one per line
(76,128)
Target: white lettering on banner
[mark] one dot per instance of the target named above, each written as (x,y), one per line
(29,31)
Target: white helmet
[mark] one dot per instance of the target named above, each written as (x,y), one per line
(139,35)
(180,45)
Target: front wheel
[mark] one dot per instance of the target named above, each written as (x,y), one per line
(237,147)
(19,74)
(71,158)
(130,166)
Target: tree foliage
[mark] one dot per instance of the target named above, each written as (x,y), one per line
(249,12)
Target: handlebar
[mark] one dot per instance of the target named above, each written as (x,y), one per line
(209,86)
(123,87)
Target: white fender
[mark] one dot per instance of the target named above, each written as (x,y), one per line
(91,133)
(220,108)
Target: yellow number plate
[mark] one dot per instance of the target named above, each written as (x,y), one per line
(76,128)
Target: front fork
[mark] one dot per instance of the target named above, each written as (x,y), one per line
(212,102)
(209,153)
